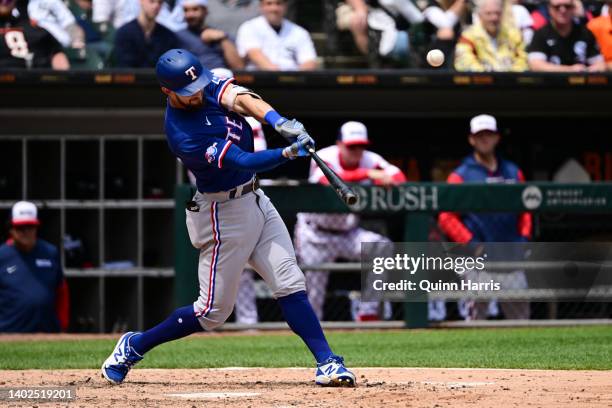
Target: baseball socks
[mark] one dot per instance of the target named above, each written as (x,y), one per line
(301,318)
(182,322)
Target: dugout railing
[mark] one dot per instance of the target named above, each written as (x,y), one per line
(561,213)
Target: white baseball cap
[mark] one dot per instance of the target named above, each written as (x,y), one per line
(201,3)
(483,122)
(24,213)
(354,133)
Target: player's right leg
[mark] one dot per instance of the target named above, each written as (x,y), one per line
(274,259)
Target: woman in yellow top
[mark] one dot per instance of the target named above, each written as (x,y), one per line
(491,44)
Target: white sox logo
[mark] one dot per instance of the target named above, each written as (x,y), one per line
(532,197)
(192,73)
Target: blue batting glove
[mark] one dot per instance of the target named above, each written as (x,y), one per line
(305,140)
(300,147)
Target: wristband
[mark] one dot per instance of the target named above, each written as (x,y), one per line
(272,117)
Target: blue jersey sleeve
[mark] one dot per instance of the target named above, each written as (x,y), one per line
(215,90)
(235,158)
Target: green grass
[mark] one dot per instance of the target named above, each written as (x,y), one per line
(546,348)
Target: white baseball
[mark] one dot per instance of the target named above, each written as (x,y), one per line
(435,58)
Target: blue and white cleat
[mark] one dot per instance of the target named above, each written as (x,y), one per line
(333,373)
(121,360)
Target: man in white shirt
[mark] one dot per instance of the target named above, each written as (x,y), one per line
(272,43)
(120,12)
(58,20)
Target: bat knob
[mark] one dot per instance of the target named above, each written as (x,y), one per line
(351,199)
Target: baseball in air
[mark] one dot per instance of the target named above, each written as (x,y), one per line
(435,58)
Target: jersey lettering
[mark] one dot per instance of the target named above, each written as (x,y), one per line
(234,130)
(16,42)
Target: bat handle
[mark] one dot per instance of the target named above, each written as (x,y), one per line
(350,198)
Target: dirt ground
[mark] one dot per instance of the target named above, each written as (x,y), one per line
(377,387)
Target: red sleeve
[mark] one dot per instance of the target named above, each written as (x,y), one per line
(450,223)
(62,305)
(525,221)
(539,20)
(348,175)
(399,177)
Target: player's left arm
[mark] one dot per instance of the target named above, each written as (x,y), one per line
(383,172)
(248,103)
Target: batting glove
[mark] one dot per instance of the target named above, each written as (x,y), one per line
(289,129)
(299,148)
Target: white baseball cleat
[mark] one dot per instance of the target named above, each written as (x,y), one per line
(333,373)
(121,360)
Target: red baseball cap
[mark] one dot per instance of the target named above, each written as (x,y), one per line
(354,133)
(24,213)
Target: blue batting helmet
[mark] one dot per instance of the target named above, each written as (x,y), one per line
(181,72)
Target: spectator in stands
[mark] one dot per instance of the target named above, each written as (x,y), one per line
(443,21)
(377,21)
(112,14)
(517,15)
(24,44)
(352,15)
(116,13)
(484,165)
(321,238)
(563,45)
(213,47)
(489,45)
(601,27)
(272,43)
(98,49)
(55,17)
(33,291)
(583,12)
(228,15)
(139,43)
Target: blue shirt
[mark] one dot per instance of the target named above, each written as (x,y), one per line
(134,50)
(28,284)
(488,226)
(216,144)
(210,55)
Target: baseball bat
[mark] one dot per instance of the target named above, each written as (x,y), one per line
(345,193)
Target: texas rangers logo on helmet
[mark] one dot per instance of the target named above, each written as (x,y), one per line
(192,73)
(211,153)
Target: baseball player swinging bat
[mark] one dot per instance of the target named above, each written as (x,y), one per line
(345,193)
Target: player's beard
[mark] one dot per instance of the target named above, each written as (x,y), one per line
(192,102)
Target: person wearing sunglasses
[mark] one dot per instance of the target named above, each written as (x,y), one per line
(33,290)
(563,45)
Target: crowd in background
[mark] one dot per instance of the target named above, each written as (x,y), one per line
(484,35)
